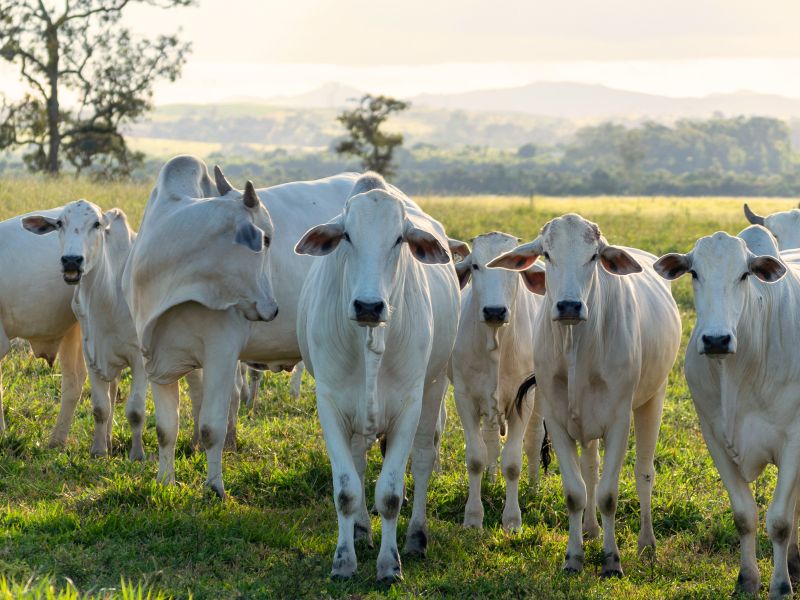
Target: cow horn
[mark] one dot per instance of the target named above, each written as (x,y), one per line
(752,217)
(223,185)
(250,197)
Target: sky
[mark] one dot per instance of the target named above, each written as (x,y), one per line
(264,48)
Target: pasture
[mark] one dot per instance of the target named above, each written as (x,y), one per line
(79,526)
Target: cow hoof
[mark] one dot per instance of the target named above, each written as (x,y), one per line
(218,489)
(779,590)
(748,583)
(573,563)
(344,565)
(98,452)
(416,543)
(591,532)
(56,443)
(136,454)
(613,572)
(512,524)
(571,570)
(473,520)
(391,576)
(611,566)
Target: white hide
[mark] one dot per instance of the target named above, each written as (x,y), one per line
(489,361)
(784,225)
(604,341)
(747,391)
(384,374)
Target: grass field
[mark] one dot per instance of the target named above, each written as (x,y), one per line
(78,525)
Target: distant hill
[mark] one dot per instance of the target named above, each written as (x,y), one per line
(568,100)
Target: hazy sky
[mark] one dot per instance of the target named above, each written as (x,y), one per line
(674,47)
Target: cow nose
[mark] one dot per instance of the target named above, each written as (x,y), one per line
(569,310)
(71,262)
(368,311)
(495,314)
(716,344)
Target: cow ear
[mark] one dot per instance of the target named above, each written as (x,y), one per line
(250,236)
(618,261)
(464,272)
(534,279)
(320,240)
(39,225)
(458,249)
(671,266)
(767,268)
(518,259)
(425,247)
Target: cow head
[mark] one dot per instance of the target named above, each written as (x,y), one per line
(785,226)
(494,290)
(82,227)
(720,266)
(371,234)
(572,248)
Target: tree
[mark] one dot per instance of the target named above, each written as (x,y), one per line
(527,151)
(366,140)
(78,48)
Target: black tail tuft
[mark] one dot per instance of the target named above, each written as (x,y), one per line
(546,451)
(525,386)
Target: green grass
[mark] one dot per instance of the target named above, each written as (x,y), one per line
(71,526)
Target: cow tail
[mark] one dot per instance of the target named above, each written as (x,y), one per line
(524,388)
(546,450)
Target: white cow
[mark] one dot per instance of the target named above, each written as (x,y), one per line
(378,316)
(744,377)
(35,306)
(604,341)
(493,353)
(93,249)
(784,225)
(196,278)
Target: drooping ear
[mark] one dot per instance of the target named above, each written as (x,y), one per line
(321,240)
(671,266)
(425,247)
(618,261)
(464,272)
(767,268)
(534,279)
(520,258)
(249,235)
(458,249)
(39,224)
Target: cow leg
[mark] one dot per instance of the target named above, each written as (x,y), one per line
(135,409)
(165,399)
(219,373)
(646,423)
(255,387)
(616,444)
(102,412)
(475,454)
(424,455)
(794,554)
(233,410)
(73,376)
(574,493)
(363,526)
(296,381)
(511,465)
(346,488)
(244,392)
(590,471)
(491,438)
(780,521)
(194,381)
(532,443)
(745,512)
(5,348)
(437,438)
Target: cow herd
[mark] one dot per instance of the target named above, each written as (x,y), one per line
(348,275)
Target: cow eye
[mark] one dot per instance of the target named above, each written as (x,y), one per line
(267,240)
(594,257)
(399,240)
(346,237)
(96,225)
(59,224)
(547,256)
(744,276)
(475,267)
(693,274)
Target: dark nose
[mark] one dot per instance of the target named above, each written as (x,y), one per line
(495,314)
(716,344)
(569,309)
(368,312)
(71,263)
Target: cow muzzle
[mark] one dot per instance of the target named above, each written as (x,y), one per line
(718,346)
(495,316)
(72,269)
(569,312)
(369,312)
